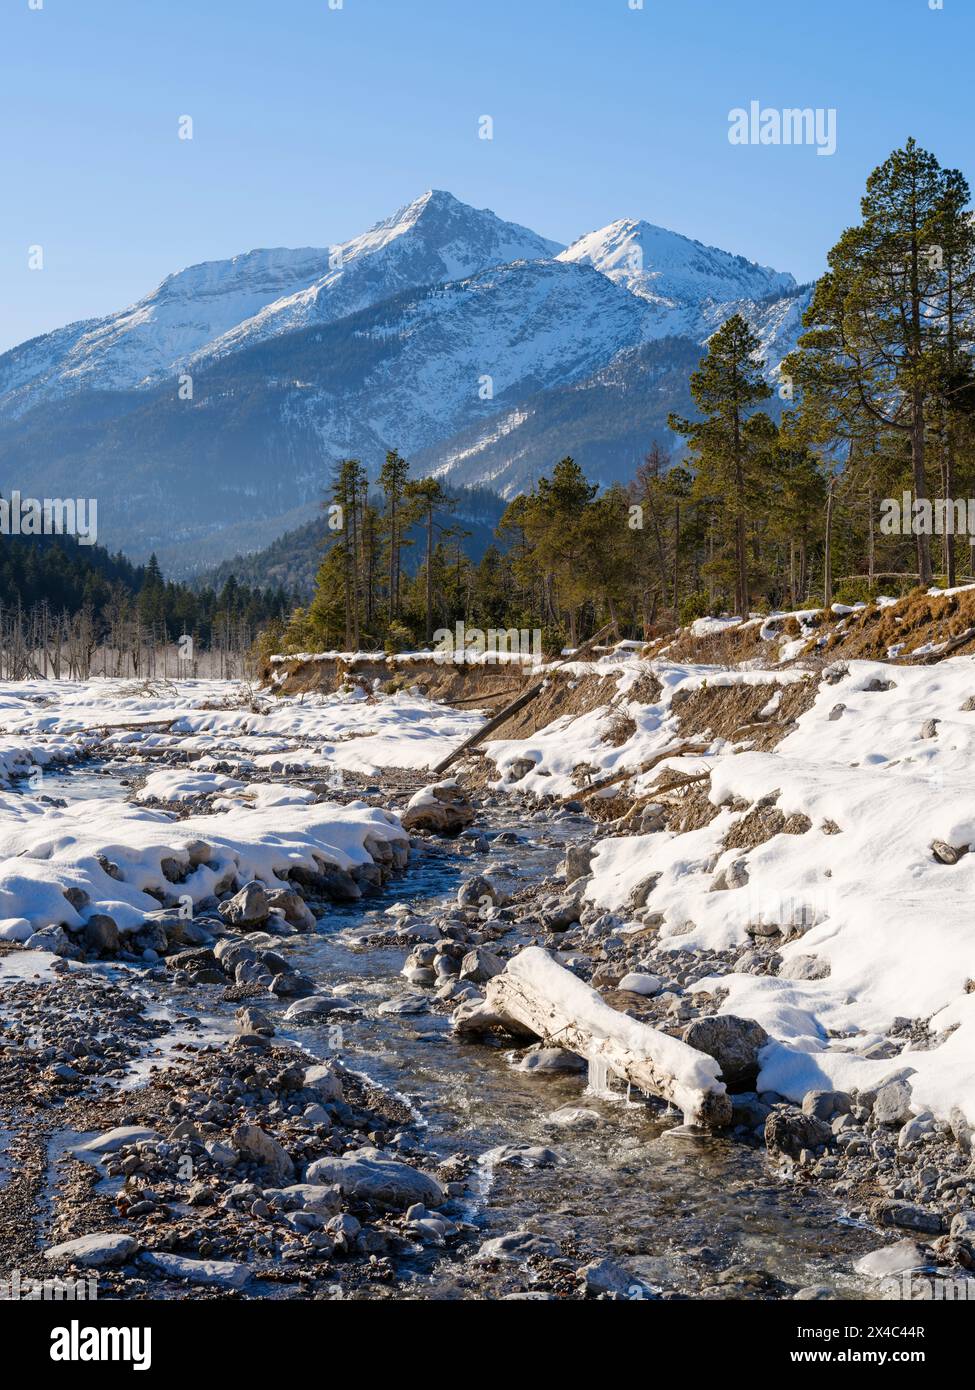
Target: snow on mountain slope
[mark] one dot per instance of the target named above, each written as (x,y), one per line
(680,279)
(267,423)
(510,331)
(143,343)
(223,306)
(430,241)
(610,416)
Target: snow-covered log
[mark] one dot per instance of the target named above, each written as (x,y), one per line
(537,997)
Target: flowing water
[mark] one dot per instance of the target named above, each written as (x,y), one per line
(677,1210)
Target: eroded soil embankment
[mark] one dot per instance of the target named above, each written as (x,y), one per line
(490,686)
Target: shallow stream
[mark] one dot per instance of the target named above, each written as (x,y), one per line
(677,1211)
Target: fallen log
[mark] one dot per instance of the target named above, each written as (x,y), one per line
(536,997)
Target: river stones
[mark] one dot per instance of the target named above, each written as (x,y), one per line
(225,1274)
(606,1277)
(114,1139)
(94,1251)
(247,909)
(316,1197)
(479,892)
(480,965)
(253,1020)
(805,967)
(549,1059)
(405,1005)
(788,1132)
(100,933)
(258,1146)
(442,808)
(323,1081)
(521,1156)
(292,907)
(893,1104)
(368,1176)
(578,859)
(518,1246)
(907,1215)
(318,1006)
(636,982)
(823,1105)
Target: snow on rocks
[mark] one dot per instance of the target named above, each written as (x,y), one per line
(46,721)
(442,807)
(174,785)
(868,923)
(64,866)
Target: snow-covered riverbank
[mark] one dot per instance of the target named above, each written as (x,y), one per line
(766,869)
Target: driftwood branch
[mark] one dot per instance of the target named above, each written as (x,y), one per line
(679,750)
(530,694)
(963,638)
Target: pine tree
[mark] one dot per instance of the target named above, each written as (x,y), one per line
(876,355)
(426,497)
(726,443)
(347,488)
(392,478)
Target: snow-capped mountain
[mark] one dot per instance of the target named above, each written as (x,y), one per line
(678,278)
(430,241)
(220,307)
(479,348)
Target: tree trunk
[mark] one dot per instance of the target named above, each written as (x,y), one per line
(429,576)
(828,547)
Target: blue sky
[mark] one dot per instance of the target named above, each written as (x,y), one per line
(311,123)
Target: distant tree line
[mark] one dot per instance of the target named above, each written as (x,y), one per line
(77,610)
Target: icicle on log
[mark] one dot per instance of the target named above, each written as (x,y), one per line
(536,997)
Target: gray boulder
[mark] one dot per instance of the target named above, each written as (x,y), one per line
(517,1246)
(480,965)
(369,1177)
(258,1146)
(443,809)
(788,1131)
(248,908)
(94,1251)
(733,1042)
(578,859)
(101,933)
(893,1104)
(823,1105)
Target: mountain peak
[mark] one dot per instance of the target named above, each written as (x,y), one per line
(672,270)
(444,221)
